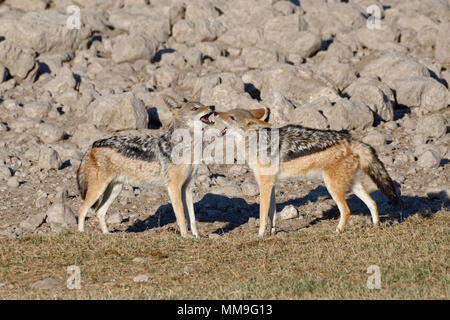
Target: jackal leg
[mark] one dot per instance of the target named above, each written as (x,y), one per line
(175,195)
(361,192)
(337,187)
(111,193)
(94,191)
(266,201)
(188,204)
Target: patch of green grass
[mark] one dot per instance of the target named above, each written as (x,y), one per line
(308,264)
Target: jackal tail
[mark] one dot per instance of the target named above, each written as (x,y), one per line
(374,168)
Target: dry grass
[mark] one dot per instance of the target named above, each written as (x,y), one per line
(307,264)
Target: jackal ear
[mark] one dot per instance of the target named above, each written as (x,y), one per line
(170,101)
(260,113)
(255,124)
(196,97)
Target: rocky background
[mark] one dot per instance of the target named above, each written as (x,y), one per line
(318,63)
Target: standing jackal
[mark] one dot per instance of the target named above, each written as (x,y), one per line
(339,160)
(117,160)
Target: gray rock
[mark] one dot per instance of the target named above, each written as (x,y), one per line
(38,109)
(64,81)
(3,73)
(118,112)
(288,212)
(5,172)
(230,190)
(392,66)
(19,61)
(341,75)
(47,284)
(311,114)
(115,218)
(13,182)
(33,222)
(86,134)
(60,216)
(375,138)
(348,115)
(43,31)
(249,189)
(129,48)
(256,58)
(432,126)
(430,159)
(442,51)
(296,84)
(423,92)
(154,20)
(28,5)
(48,158)
(141,278)
(49,133)
(375,94)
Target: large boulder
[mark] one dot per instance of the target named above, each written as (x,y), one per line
(375,94)
(118,112)
(19,61)
(132,47)
(295,83)
(424,92)
(142,19)
(392,66)
(43,31)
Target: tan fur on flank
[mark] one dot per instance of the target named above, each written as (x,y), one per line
(343,165)
(117,160)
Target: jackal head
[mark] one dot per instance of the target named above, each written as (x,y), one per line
(239,120)
(186,113)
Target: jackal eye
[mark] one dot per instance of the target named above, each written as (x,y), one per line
(232,118)
(194,109)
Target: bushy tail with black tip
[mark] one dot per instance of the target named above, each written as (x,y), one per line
(374,168)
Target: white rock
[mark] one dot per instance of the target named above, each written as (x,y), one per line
(288,212)
(47,284)
(141,278)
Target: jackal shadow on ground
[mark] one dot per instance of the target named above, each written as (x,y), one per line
(237,211)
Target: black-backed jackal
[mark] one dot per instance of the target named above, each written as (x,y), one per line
(117,160)
(339,160)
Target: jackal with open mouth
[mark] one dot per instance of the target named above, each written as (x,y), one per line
(117,160)
(334,156)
